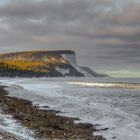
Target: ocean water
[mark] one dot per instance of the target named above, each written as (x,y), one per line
(105,102)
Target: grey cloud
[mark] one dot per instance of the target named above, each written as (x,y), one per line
(95,27)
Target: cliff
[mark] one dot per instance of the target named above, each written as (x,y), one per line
(41,64)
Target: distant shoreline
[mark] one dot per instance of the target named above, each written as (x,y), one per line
(45,123)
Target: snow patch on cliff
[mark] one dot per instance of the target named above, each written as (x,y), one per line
(71,58)
(62,70)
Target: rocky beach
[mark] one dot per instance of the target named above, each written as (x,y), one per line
(45,124)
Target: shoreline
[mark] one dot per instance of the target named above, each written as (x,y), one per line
(45,123)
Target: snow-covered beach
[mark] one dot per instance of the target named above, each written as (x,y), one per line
(115,109)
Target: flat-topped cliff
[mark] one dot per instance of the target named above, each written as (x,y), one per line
(58,63)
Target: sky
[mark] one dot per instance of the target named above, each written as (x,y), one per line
(105,34)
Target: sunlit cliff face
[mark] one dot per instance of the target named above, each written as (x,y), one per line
(38,61)
(104,33)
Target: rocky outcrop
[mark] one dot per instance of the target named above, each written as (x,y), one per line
(93,73)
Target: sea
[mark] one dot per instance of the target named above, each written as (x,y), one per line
(112,105)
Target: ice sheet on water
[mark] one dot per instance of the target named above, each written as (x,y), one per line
(113,108)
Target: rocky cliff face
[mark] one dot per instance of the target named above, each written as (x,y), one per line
(41,64)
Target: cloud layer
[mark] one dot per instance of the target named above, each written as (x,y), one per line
(97,29)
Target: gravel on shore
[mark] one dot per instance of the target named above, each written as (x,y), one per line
(45,123)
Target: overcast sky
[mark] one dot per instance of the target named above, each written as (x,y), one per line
(104,33)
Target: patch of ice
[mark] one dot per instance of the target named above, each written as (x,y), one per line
(11,126)
(113,108)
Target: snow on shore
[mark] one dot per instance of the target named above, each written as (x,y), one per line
(114,108)
(12,128)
